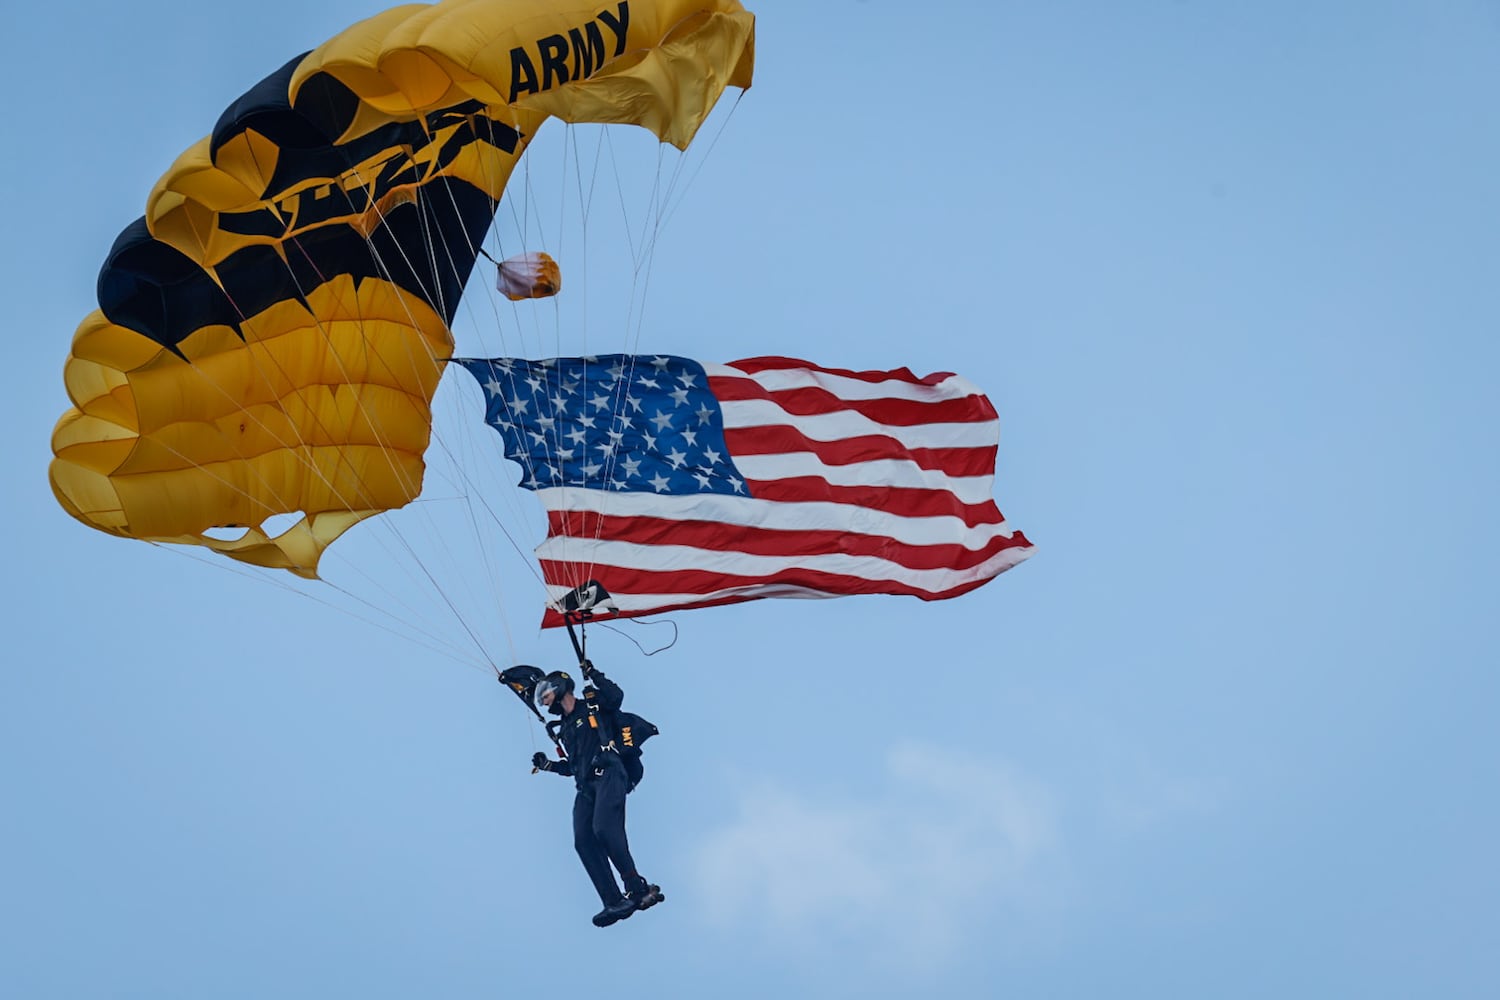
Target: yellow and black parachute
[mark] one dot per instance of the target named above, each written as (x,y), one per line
(270,334)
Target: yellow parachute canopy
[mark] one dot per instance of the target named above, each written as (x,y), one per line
(271,332)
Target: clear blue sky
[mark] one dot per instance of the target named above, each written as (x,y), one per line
(1231,275)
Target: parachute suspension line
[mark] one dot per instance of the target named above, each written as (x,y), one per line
(662,208)
(302,442)
(512,496)
(643,257)
(526,215)
(429,640)
(584,569)
(585,207)
(411,551)
(528,218)
(675,190)
(622,400)
(530,202)
(620,390)
(703,160)
(484,663)
(620,194)
(260,424)
(373,423)
(394,598)
(667,194)
(585,193)
(302,454)
(532,216)
(493,183)
(558,386)
(328,340)
(651,226)
(432,241)
(241,570)
(339,360)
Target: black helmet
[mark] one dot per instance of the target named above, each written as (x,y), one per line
(557,684)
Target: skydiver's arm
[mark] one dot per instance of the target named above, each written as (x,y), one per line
(541,762)
(610,695)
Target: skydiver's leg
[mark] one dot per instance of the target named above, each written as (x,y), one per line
(608,824)
(591,851)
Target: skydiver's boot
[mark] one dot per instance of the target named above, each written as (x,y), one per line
(616,911)
(644,893)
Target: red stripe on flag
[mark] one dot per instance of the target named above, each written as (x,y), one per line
(620,580)
(901,501)
(808,401)
(710,536)
(866,448)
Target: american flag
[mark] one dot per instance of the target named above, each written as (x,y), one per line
(676,484)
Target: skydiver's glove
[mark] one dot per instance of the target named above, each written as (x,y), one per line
(541,762)
(587,666)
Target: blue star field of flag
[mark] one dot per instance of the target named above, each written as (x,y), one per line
(611,421)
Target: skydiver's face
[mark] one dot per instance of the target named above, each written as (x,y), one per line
(548,699)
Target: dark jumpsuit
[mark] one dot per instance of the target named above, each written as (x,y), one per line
(602,783)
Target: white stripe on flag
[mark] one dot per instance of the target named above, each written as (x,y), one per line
(888,473)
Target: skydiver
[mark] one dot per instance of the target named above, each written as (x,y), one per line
(592,731)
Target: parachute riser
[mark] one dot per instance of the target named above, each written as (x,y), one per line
(580,645)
